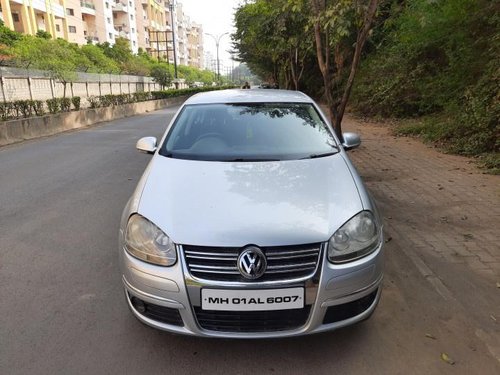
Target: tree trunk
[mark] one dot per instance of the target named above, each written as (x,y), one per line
(323,56)
(360,42)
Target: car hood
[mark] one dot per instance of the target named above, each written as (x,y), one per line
(208,203)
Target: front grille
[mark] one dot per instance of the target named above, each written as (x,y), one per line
(283,262)
(252,321)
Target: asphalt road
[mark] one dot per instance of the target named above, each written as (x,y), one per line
(62,309)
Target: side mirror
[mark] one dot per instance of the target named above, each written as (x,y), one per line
(351,140)
(147,145)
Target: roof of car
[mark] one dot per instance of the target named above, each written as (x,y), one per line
(249,96)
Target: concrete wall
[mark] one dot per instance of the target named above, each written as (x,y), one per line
(22,84)
(19,130)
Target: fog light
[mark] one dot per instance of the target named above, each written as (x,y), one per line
(138,305)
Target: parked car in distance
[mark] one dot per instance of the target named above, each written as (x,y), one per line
(250,222)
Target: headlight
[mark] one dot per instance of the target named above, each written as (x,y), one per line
(356,238)
(146,241)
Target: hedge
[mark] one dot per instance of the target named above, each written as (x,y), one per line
(165,94)
(29,108)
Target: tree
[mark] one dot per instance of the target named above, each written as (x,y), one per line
(99,62)
(279,38)
(271,38)
(333,23)
(120,51)
(56,56)
(9,37)
(43,34)
(162,75)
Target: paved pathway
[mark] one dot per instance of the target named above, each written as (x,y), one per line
(440,205)
(443,214)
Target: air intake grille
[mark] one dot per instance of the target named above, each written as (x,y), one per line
(283,262)
(252,321)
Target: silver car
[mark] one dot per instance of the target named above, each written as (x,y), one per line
(250,221)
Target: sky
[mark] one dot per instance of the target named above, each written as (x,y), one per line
(216,16)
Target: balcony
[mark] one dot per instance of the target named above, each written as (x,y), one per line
(58,10)
(87,7)
(122,27)
(120,7)
(123,34)
(39,5)
(122,31)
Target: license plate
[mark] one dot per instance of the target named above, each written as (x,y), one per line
(252,300)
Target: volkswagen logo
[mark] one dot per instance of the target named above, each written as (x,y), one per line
(252,263)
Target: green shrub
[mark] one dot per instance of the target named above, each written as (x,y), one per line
(94,101)
(165,94)
(54,105)
(76,102)
(5,110)
(437,62)
(490,161)
(28,108)
(65,104)
(38,107)
(106,100)
(141,96)
(122,99)
(16,109)
(24,108)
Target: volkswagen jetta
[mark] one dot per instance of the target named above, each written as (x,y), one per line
(250,221)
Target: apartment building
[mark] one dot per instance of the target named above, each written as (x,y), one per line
(147,24)
(195,45)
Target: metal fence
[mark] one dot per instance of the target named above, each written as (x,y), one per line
(23,84)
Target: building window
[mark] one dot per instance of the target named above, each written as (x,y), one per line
(130,3)
(107,5)
(133,31)
(15,17)
(110,36)
(72,29)
(133,42)
(58,28)
(115,16)
(85,32)
(109,20)
(70,12)
(131,16)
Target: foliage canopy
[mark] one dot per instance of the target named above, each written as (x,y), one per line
(64,59)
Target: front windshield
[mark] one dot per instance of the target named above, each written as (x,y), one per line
(249,132)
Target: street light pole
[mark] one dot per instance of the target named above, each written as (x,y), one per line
(217,39)
(171,7)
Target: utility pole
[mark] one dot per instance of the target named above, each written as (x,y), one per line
(171,7)
(217,39)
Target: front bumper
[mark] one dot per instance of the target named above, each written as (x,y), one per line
(336,296)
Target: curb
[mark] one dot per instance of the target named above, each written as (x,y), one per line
(19,130)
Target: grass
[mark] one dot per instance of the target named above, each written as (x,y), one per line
(446,135)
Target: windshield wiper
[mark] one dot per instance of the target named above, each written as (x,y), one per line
(250,159)
(315,156)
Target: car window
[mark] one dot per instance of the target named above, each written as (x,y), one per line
(248,132)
